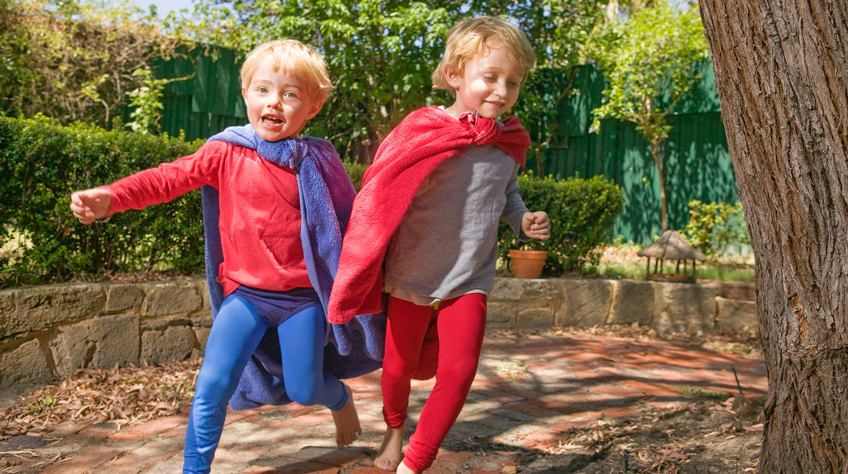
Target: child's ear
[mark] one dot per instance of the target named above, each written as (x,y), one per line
(452,77)
(316,107)
(244,95)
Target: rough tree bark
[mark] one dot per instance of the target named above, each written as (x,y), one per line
(782,73)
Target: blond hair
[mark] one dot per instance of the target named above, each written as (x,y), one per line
(292,57)
(473,38)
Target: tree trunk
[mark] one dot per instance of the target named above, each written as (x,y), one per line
(657,155)
(782,73)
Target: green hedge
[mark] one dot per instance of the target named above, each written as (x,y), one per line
(582,213)
(42,163)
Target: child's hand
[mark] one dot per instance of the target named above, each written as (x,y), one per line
(536,225)
(90,204)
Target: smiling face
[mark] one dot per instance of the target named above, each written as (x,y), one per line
(278,104)
(489,84)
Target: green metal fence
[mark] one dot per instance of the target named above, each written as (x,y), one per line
(698,165)
(209,100)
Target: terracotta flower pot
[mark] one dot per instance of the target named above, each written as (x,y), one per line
(527,263)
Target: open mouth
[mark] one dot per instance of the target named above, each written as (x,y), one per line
(271,122)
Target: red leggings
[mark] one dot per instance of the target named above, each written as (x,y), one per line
(422,342)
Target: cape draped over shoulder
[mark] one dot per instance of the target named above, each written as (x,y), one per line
(409,153)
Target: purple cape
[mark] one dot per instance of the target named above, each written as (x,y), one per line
(326,200)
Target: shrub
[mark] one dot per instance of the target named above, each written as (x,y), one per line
(714,227)
(582,213)
(42,163)
(355,171)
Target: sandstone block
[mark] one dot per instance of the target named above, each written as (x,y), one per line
(201,335)
(535,318)
(633,303)
(97,343)
(500,312)
(515,289)
(203,291)
(72,348)
(38,308)
(171,298)
(173,343)
(736,315)
(734,290)
(24,366)
(202,318)
(116,339)
(123,298)
(682,307)
(586,303)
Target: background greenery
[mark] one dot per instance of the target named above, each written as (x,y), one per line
(74,60)
(111,64)
(44,162)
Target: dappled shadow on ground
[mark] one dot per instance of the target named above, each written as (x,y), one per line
(568,401)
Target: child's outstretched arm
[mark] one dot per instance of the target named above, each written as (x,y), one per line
(536,225)
(90,204)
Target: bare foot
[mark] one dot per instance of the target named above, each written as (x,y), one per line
(347,422)
(390,452)
(403,469)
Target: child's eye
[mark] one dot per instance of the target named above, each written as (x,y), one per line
(262,90)
(290,95)
(490,78)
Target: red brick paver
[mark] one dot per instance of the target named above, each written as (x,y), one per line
(527,394)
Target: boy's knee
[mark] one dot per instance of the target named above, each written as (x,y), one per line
(304,394)
(213,386)
(425,372)
(399,371)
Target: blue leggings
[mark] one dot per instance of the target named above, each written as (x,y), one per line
(236,333)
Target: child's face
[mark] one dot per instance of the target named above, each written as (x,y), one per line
(278,105)
(488,85)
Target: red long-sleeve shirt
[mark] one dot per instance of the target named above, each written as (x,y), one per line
(260,211)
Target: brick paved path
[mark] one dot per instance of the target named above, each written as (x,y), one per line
(527,393)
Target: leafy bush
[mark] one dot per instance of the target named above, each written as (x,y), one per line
(714,227)
(355,171)
(74,60)
(42,163)
(582,213)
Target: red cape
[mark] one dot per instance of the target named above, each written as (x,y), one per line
(409,153)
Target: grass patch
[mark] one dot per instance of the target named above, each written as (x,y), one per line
(620,261)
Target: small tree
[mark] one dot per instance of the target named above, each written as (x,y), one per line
(648,62)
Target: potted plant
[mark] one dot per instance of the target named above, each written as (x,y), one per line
(527,261)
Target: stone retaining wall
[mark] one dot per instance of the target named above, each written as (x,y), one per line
(47,332)
(667,307)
